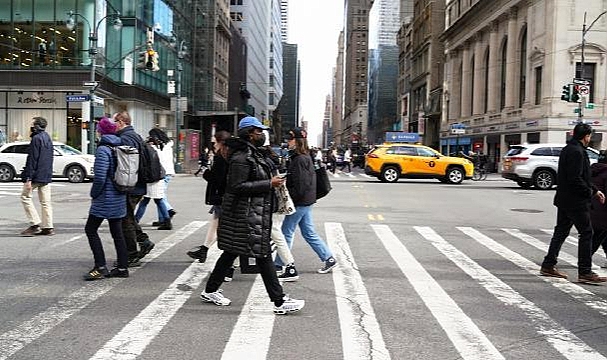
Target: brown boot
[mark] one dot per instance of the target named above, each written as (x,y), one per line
(553,272)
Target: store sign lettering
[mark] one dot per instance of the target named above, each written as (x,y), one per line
(36,100)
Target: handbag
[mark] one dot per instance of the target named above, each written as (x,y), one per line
(323,185)
(285,203)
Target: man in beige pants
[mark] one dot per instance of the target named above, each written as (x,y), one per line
(37,174)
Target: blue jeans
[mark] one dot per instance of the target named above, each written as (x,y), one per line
(303,218)
(165,200)
(163,212)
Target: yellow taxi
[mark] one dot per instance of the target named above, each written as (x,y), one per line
(390,162)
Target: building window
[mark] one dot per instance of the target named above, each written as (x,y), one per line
(523,70)
(589,70)
(271,63)
(486,92)
(538,85)
(236,16)
(472,75)
(271,99)
(271,80)
(503,64)
(236,2)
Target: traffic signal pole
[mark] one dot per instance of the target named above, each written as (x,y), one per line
(582,64)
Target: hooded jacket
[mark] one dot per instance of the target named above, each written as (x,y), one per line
(107,202)
(39,163)
(574,188)
(129,137)
(301,181)
(246,219)
(598,212)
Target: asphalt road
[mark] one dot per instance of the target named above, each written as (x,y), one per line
(426,271)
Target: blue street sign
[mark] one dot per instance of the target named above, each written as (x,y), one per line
(77,98)
(397,136)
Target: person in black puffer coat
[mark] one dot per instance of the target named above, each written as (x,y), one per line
(246,219)
(598,211)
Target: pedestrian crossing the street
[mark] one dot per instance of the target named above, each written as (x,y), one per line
(400,291)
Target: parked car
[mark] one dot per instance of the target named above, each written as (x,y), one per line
(393,161)
(536,164)
(67,163)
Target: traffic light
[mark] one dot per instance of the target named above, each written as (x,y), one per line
(152,60)
(142,60)
(575,93)
(566,94)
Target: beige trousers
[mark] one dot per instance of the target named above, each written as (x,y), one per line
(44,196)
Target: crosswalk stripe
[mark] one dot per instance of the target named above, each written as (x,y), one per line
(564,341)
(572,260)
(577,292)
(132,340)
(570,239)
(250,338)
(361,334)
(14,340)
(467,338)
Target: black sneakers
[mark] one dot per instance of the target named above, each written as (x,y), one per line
(96,273)
(290,274)
(172,213)
(115,272)
(330,263)
(145,248)
(199,253)
(166,225)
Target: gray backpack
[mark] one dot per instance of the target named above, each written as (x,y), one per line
(127,167)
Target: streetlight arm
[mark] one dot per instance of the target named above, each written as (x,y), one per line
(595,20)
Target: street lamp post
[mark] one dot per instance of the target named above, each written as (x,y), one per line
(582,70)
(181,52)
(93,37)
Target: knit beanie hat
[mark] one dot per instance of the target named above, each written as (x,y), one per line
(106,126)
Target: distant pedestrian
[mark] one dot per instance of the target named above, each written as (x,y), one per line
(347,160)
(155,191)
(130,228)
(572,199)
(106,203)
(332,158)
(301,183)
(246,220)
(168,164)
(37,175)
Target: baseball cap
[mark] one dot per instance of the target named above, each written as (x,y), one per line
(297,133)
(251,121)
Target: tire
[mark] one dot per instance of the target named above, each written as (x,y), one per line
(523,184)
(390,174)
(543,179)
(75,174)
(455,175)
(477,175)
(7,173)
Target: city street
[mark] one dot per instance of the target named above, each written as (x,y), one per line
(425,270)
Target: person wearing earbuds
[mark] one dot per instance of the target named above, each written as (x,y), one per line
(246,221)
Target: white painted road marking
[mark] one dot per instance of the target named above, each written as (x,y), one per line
(467,338)
(28,331)
(564,341)
(361,335)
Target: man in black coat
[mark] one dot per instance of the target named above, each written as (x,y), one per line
(573,198)
(37,174)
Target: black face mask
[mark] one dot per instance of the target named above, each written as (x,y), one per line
(259,140)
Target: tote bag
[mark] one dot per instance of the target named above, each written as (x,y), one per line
(323,185)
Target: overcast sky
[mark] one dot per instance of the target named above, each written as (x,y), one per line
(314,25)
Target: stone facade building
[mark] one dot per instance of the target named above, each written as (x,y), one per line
(506,62)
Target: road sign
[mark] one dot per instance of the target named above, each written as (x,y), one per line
(98,100)
(77,98)
(457,131)
(397,136)
(590,106)
(583,89)
(90,84)
(581,82)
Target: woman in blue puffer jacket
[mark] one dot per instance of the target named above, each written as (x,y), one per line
(107,203)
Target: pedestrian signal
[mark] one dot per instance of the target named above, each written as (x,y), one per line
(575,93)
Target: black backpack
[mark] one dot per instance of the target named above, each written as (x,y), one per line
(150,169)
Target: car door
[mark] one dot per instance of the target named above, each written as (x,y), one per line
(60,161)
(19,157)
(407,159)
(429,162)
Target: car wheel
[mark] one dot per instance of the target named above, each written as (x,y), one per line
(455,175)
(390,174)
(6,173)
(543,179)
(524,184)
(75,174)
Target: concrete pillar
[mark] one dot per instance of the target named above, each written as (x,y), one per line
(512,60)
(493,90)
(466,77)
(453,87)
(479,79)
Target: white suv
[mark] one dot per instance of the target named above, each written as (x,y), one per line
(536,164)
(67,161)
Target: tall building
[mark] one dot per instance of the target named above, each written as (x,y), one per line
(326,128)
(337,96)
(289,104)
(356,69)
(253,20)
(284,20)
(404,65)
(506,66)
(275,62)
(384,21)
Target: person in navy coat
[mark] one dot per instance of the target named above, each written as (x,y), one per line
(107,203)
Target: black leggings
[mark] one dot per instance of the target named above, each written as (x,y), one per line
(91,227)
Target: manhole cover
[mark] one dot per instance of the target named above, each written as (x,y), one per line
(532,211)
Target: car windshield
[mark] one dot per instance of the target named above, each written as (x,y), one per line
(67,150)
(515,150)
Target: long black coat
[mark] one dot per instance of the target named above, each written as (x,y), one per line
(574,188)
(301,180)
(216,181)
(39,163)
(246,219)
(598,213)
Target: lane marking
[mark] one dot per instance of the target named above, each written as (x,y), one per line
(576,291)
(380,217)
(64,242)
(467,338)
(361,335)
(133,339)
(540,245)
(16,339)
(371,217)
(250,338)
(564,341)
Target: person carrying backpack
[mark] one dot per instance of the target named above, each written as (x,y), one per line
(130,228)
(107,202)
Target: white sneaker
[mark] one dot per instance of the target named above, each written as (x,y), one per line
(289,306)
(215,297)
